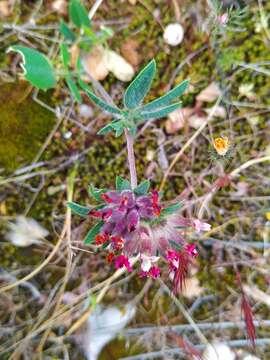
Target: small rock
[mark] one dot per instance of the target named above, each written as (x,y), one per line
(173,34)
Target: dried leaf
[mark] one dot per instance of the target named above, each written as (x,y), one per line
(195,121)
(218,352)
(219,111)
(192,288)
(130,51)
(95,63)
(210,93)
(115,63)
(5,9)
(177,119)
(60,6)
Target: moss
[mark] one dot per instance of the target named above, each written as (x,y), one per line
(24,125)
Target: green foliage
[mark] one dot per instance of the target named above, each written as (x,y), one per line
(73,88)
(140,86)
(37,68)
(95,192)
(90,237)
(65,55)
(78,209)
(66,32)
(122,184)
(142,188)
(78,14)
(98,101)
(166,99)
(159,113)
(171,209)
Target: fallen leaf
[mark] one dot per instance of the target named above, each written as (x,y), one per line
(25,232)
(102,326)
(247,91)
(115,63)
(177,119)
(130,51)
(209,94)
(132,2)
(257,294)
(192,288)
(95,63)
(218,351)
(219,111)
(74,54)
(5,9)
(60,6)
(195,121)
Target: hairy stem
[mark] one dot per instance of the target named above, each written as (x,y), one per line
(131,159)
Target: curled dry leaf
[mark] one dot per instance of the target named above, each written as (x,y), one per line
(192,288)
(195,121)
(5,9)
(130,51)
(219,111)
(74,54)
(115,63)
(209,94)
(95,63)
(177,119)
(60,6)
(218,351)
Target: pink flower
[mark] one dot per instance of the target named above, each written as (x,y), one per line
(191,250)
(223,19)
(154,272)
(122,260)
(147,262)
(199,226)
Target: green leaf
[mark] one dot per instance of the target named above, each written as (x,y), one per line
(78,14)
(98,101)
(66,32)
(122,184)
(78,209)
(95,192)
(142,188)
(157,114)
(73,88)
(90,237)
(140,86)
(171,209)
(37,68)
(65,55)
(105,130)
(167,98)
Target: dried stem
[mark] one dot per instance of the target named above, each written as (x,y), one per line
(131,158)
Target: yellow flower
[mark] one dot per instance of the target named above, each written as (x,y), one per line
(268,215)
(221,145)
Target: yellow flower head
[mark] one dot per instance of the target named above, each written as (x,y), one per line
(222,145)
(268,215)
